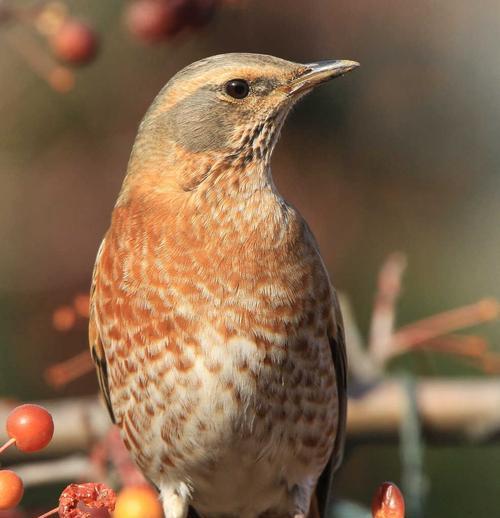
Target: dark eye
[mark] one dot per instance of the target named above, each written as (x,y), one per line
(237,88)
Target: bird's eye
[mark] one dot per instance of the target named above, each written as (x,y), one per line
(237,88)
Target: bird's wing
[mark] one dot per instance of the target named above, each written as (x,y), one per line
(95,342)
(339,357)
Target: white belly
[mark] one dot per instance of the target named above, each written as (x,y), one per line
(245,429)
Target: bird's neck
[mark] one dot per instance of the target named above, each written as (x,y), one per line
(242,198)
(224,196)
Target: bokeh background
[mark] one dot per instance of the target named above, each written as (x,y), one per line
(403,155)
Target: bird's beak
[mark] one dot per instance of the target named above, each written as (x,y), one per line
(314,74)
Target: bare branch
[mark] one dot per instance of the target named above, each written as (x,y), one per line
(443,323)
(384,310)
(361,366)
(458,409)
(74,467)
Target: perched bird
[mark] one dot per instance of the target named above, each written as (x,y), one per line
(215,331)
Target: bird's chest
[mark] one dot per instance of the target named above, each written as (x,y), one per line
(212,351)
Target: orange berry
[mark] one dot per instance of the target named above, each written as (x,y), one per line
(138,502)
(63,318)
(388,502)
(31,426)
(11,489)
(75,42)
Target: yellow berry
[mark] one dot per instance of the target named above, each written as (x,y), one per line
(138,502)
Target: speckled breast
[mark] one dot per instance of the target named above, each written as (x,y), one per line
(216,349)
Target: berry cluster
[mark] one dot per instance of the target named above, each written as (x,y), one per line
(30,428)
(72,42)
(75,42)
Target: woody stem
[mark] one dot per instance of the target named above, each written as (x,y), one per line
(10,442)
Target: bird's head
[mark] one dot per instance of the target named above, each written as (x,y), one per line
(230,106)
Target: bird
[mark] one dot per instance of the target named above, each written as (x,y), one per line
(215,330)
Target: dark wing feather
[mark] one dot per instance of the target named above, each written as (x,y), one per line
(339,357)
(96,345)
(97,353)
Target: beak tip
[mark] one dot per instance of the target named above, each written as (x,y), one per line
(343,66)
(332,68)
(321,71)
(352,64)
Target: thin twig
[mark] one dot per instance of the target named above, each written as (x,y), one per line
(384,310)
(58,77)
(9,443)
(443,323)
(64,372)
(49,513)
(361,367)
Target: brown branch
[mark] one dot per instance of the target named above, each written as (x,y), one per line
(458,409)
(62,373)
(446,322)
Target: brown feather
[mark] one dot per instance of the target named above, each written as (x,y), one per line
(339,355)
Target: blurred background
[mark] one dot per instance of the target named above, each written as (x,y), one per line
(401,155)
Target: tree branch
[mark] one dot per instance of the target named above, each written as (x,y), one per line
(455,410)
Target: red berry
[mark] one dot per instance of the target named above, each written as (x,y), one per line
(11,489)
(80,499)
(75,42)
(154,20)
(388,502)
(31,426)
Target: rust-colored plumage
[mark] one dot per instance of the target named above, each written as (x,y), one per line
(215,331)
